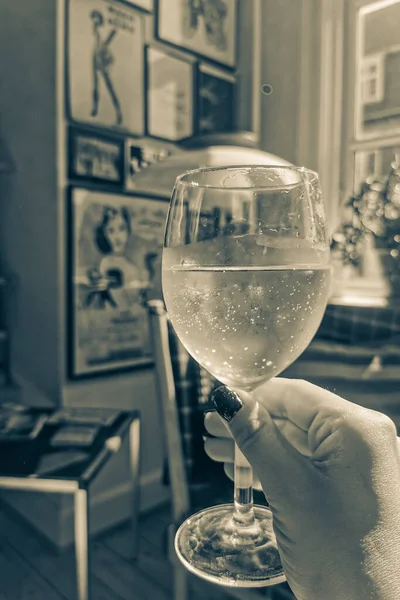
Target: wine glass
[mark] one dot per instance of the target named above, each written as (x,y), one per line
(245,274)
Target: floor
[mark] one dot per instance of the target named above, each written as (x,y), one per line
(30,569)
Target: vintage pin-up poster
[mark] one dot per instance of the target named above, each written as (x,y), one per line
(205,27)
(105,64)
(116,244)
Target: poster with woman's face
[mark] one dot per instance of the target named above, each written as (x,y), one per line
(206,27)
(116,250)
(105,64)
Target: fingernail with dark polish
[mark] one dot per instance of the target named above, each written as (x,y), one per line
(226,402)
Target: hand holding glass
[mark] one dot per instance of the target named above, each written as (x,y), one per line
(245,296)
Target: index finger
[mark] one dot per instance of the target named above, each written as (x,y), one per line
(299,401)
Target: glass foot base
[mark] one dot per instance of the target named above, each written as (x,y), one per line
(210,545)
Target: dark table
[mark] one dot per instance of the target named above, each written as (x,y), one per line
(21,468)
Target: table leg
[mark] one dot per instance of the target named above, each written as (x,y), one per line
(134,459)
(82,550)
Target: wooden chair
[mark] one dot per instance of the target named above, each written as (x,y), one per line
(181,498)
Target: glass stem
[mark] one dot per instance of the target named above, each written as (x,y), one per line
(243,514)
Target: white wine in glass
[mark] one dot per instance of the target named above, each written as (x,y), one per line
(245,302)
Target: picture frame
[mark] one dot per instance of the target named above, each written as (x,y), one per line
(104,65)
(207,28)
(95,157)
(170,110)
(216,100)
(146,5)
(115,243)
(140,154)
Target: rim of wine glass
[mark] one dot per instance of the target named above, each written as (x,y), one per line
(181,178)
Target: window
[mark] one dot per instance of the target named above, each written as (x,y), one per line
(371,91)
(372,79)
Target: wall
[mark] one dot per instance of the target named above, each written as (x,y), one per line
(28,207)
(281,54)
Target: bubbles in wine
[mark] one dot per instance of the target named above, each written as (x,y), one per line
(245,325)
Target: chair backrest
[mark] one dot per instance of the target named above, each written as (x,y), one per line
(193,386)
(169,410)
(184,389)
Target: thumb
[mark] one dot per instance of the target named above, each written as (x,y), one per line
(278,465)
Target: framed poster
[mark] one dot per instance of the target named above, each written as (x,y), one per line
(143,4)
(95,157)
(140,154)
(216,101)
(105,65)
(115,254)
(205,27)
(170,83)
